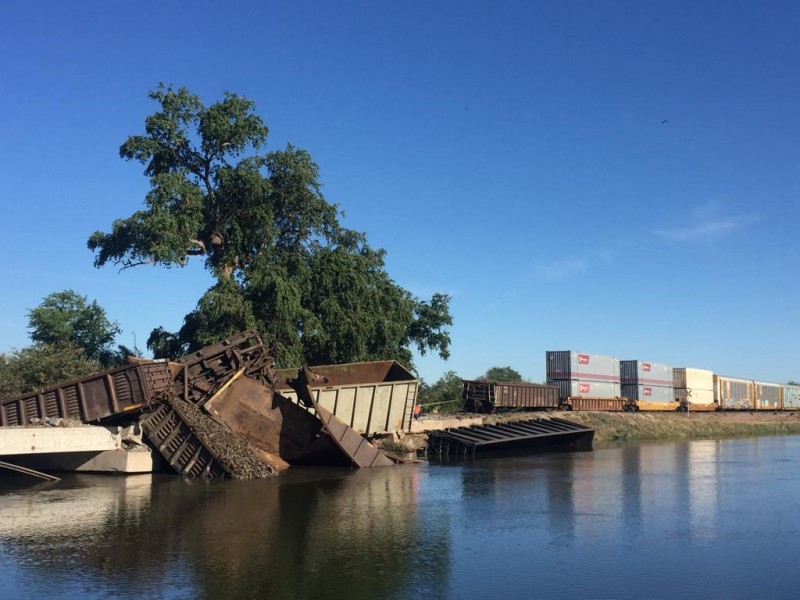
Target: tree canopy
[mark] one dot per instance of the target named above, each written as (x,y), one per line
(281,260)
(442,396)
(42,366)
(503,374)
(69,319)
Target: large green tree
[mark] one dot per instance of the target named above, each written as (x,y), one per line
(67,319)
(503,374)
(280,258)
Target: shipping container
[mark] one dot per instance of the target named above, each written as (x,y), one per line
(594,389)
(123,390)
(485,396)
(651,397)
(767,395)
(733,393)
(646,373)
(566,364)
(791,397)
(370,397)
(695,386)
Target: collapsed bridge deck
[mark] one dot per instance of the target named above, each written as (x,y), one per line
(533,433)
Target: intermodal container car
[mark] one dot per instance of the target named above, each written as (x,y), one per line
(649,384)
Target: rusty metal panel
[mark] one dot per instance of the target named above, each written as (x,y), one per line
(358,450)
(93,398)
(180,447)
(264,418)
(207,369)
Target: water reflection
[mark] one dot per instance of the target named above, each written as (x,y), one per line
(696,519)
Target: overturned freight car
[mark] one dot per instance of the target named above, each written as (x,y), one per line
(92,399)
(371,397)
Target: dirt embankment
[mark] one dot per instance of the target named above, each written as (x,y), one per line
(610,427)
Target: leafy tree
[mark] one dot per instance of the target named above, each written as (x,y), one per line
(504,374)
(281,260)
(442,396)
(38,367)
(67,319)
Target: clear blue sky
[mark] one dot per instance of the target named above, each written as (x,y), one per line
(613,177)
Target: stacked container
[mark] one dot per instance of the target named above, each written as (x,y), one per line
(694,388)
(649,384)
(578,374)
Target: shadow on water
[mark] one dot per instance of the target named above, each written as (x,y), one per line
(308,533)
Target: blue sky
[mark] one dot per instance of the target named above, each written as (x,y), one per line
(612,177)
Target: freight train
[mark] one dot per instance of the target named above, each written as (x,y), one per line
(581,381)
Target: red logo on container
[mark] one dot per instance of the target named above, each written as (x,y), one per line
(583,388)
(583,359)
(645,366)
(648,391)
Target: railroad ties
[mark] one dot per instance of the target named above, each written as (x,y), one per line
(533,433)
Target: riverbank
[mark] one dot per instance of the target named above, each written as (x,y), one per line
(613,427)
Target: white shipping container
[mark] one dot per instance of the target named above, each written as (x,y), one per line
(693,379)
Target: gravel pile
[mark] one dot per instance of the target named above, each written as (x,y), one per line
(234,453)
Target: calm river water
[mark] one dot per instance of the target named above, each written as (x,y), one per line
(700,519)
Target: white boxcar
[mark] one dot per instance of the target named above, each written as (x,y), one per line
(371,397)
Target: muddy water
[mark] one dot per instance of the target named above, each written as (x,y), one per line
(701,519)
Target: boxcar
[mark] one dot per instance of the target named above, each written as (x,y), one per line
(94,398)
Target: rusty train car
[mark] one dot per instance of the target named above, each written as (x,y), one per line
(488,396)
(123,390)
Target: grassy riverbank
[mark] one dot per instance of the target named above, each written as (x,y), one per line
(611,427)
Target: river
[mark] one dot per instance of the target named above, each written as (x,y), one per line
(696,519)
